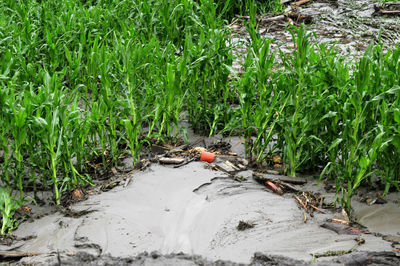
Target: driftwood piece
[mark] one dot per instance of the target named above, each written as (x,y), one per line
(301,2)
(271,19)
(281,178)
(231,165)
(340,221)
(220,168)
(388,9)
(390,12)
(17,255)
(166,160)
(342,229)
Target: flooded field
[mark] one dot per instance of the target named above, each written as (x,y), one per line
(107,113)
(196,210)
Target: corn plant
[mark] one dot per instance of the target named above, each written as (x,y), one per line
(230,8)
(133,131)
(295,123)
(19,133)
(4,147)
(8,205)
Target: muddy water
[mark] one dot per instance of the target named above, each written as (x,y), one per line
(192,210)
(384,219)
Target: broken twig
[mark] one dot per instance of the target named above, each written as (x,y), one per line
(301,2)
(301,202)
(317,209)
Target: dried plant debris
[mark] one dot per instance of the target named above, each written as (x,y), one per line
(387,9)
(395,240)
(221,146)
(69,212)
(329,253)
(244,225)
(279,184)
(310,202)
(74,196)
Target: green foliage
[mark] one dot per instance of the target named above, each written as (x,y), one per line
(230,8)
(81,79)
(318,116)
(7,207)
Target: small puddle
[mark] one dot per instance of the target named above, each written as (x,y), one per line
(380,218)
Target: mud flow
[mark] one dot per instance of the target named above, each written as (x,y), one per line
(198,211)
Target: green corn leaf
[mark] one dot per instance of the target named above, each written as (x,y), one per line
(335,143)
(329,115)
(364,162)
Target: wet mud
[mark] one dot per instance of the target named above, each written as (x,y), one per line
(380,218)
(194,210)
(349,25)
(154,258)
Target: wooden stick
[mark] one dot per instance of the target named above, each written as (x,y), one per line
(339,221)
(321,201)
(266,20)
(22,254)
(301,203)
(231,165)
(217,167)
(289,186)
(298,3)
(166,160)
(317,209)
(390,12)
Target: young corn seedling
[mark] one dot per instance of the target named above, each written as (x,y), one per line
(4,148)
(71,122)
(52,142)
(133,131)
(8,205)
(98,131)
(19,134)
(247,93)
(294,123)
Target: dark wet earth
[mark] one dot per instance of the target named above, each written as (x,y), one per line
(154,259)
(349,25)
